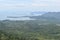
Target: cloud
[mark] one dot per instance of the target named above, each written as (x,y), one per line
(15,5)
(46,3)
(38,5)
(29,4)
(46,0)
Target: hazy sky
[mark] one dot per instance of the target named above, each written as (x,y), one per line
(15,7)
(30,5)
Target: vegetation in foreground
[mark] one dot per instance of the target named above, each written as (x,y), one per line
(29,30)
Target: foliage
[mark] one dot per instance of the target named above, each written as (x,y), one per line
(29,30)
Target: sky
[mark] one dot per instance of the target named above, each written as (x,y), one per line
(21,7)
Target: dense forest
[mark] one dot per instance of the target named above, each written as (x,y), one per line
(29,30)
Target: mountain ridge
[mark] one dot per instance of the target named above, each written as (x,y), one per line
(48,15)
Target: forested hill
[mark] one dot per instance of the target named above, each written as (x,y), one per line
(52,15)
(48,15)
(29,30)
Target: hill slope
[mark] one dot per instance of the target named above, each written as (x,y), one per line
(49,15)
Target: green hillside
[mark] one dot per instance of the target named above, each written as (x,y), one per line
(29,30)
